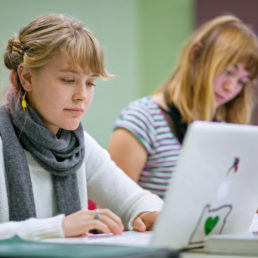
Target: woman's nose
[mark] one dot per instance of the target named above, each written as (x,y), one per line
(81,92)
(229,84)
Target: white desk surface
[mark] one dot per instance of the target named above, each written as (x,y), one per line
(205,255)
(136,239)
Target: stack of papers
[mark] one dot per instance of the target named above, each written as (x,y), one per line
(237,243)
(127,238)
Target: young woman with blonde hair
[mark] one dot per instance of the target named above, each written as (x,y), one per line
(213,81)
(49,165)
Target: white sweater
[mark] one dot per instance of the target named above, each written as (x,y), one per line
(98,178)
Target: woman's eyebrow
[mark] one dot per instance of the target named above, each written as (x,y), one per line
(68,70)
(94,75)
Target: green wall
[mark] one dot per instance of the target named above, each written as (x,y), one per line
(165,25)
(141,40)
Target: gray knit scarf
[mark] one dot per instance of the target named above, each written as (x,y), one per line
(61,156)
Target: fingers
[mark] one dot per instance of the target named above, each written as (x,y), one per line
(147,219)
(111,220)
(83,221)
(99,226)
(139,225)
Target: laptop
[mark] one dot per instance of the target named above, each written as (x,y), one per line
(214,190)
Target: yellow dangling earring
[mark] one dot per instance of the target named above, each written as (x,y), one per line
(24,103)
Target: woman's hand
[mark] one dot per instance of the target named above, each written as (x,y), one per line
(145,221)
(81,222)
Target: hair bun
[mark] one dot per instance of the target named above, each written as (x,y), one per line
(14,53)
(15,45)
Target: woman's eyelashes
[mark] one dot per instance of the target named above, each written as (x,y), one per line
(230,72)
(71,81)
(68,81)
(242,83)
(90,84)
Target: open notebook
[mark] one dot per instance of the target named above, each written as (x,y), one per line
(214,189)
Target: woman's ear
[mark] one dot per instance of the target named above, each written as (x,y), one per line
(24,75)
(13,79)
(195,52)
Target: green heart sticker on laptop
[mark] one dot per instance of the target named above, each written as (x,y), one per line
(210,224)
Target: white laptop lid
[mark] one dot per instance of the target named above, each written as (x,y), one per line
(214,189)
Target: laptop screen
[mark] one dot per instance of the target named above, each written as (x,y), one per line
(214,189)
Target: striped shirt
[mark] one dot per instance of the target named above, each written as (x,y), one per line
(145,119)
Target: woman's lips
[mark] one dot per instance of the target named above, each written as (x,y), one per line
(219,97)
(75,111)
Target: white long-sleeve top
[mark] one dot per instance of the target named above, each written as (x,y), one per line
(98,178)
